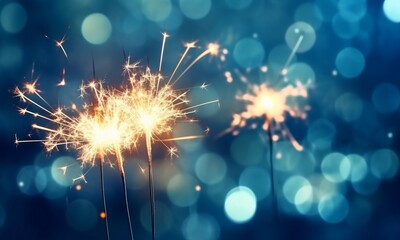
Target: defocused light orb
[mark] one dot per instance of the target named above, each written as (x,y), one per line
(96,28)
(163,216)
(26,180)
(240,204)
(384,163)
(195,9)
(335,167)
(300,30)
(344,28)
(300,72)
(65,169)
(238,4)
(248,53)
(210,168)
(386,98)
(156,10)
(303,199)
(258,180)
(2,215)
(359,167)
(333,208)
(391,8)
(309,13)
(200,227)
(352,10)
(247,148)
(181,190)
(321,134)
(81,215)
(292,185)
(350,62)
(13,17)
(349,107)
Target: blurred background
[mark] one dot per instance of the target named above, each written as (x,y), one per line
(343,185)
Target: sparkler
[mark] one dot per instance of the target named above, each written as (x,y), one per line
(98,130)
(271,105)
(156,106)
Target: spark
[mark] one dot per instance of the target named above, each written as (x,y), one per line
(80,178)
(62,82)
(59,43)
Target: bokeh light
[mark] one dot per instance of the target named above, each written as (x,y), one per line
(335,167)
(240,204)
(195,9)
(303,30)
(358,167)
(333,208)
(249,53)
(156,10)
(181,190)
(391,8)
(350,62)
(352,10)
(349,107)
(65,169)
(384,163)
(96,28)
(210,168)
(13,17)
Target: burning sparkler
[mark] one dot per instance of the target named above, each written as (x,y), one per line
(156,106)
(97,131)
(271,105)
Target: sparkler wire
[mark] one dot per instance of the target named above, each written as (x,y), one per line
(151,185)
(123,178)
(272,174)
(103,195)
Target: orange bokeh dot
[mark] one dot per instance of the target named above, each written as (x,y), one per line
(78,187)
(102,215)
